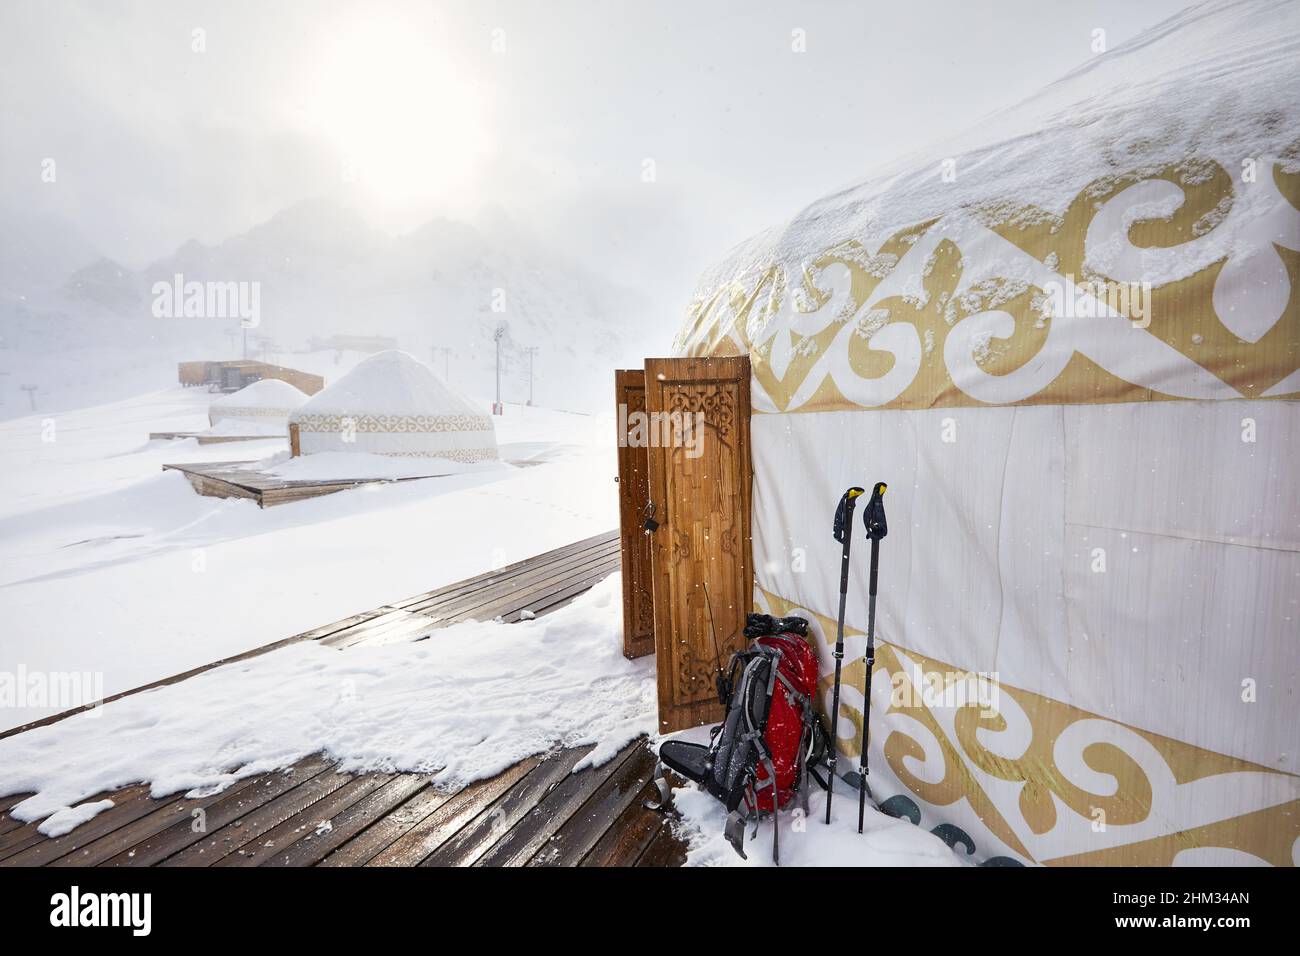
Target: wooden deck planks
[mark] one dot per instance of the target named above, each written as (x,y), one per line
(481,833)
(166,814)
(203,439)
(233,479)
(378,837)
(249,827)
(391,626)
(127,801)
(554,556)
(512,592)
(519,845)
(665,850)
(627,838)
(438,827)
(314,817)
(8,823)
(230,807)
(467,601)
(577,835)
(537,812)
(314,846)
(508,599)
(129,805)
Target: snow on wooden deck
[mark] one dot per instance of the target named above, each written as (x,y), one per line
(536,813)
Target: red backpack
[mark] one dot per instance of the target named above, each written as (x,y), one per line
(760,757)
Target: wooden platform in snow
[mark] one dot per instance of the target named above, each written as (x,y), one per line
(203,439)
(233,479)
(536,813)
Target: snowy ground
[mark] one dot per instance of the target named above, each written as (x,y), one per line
(110,567)
(468,702)
(805,841)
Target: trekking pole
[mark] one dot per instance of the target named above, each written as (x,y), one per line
(874,519)
(843,534)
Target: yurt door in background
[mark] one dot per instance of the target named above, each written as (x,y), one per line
(698,444)
(633,511)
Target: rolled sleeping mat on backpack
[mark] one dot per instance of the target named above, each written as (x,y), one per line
(763,625)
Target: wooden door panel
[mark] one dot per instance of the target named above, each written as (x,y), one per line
(633,494)
(702,501)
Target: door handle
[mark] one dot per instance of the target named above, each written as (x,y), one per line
(649,525)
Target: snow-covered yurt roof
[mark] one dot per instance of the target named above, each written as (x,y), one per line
(391,403)
(1155,160)
(267,400)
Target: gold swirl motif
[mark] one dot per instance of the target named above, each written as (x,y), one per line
(765,315)
(1267,832)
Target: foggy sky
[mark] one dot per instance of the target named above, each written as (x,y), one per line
(156,143)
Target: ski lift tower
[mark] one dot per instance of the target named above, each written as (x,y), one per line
(531,350)
(498,408)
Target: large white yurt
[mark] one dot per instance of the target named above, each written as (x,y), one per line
(1069,341)
(393,404)
(260,408)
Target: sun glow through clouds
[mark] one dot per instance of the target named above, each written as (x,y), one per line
(406,122)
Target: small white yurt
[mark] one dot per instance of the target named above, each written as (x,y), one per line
(257,409)
(1070,343)
(393,404)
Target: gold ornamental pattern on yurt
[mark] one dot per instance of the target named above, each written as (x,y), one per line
(1034,775)
(1175,283)
(249,411)
(393,423)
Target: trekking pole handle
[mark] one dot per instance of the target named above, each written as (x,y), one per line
(873,518)
(844,512)
(842,528)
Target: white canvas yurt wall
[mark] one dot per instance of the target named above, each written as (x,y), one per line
(393,404)
(264,406)
(1095,503)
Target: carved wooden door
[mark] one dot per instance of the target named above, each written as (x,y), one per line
(698,431)
(633,497)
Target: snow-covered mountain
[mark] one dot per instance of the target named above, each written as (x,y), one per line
(322,270)
(38,250)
